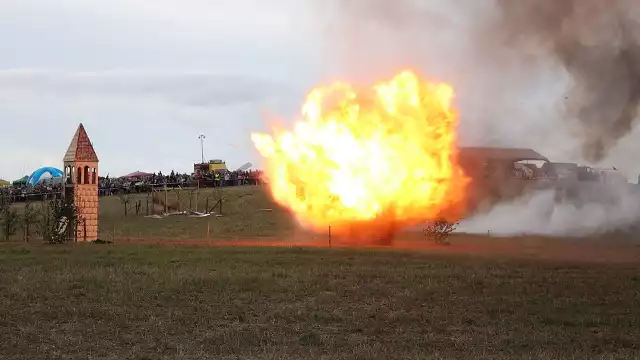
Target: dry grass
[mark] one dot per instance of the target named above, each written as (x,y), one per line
(476,299)
(243,215)
(143,302)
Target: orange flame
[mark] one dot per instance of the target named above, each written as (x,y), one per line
(386,155)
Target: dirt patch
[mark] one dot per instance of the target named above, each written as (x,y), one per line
(538,248)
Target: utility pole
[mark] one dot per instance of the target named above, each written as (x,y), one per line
(202,137)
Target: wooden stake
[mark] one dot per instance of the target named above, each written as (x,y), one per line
(166,209)
(197,193)
(329,235)
(208,229)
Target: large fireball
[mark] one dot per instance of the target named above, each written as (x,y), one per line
(385,156)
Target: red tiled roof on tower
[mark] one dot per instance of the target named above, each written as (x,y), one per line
(80,148)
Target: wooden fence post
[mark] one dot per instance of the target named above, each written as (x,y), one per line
(166,199)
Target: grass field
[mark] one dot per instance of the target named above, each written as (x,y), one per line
(194,302)
(247,211)
(480,298)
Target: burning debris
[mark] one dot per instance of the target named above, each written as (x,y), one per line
(368,161)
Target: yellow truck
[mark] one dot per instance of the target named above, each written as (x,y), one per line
(217,165)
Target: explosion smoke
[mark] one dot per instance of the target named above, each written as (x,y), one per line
(539,214)
(597,42)
(559,76)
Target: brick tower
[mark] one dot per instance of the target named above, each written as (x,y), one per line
(81,184)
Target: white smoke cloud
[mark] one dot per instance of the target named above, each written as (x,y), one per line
(539,214)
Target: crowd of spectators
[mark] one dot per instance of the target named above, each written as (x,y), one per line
(143,183)
(23,192)
(138,184)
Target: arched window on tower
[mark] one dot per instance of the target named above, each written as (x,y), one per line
(79,176)
(94,176)
(86,175)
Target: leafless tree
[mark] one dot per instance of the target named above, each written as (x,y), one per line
(439,231)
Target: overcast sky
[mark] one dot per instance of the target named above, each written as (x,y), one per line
(147,77)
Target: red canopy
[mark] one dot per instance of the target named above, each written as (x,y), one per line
(137,175)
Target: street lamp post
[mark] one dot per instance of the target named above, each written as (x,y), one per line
(202,137)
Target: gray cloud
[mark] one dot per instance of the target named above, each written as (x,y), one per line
(508,94)
(138,120)
(192,89)
(147,78)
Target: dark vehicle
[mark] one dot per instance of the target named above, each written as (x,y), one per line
(499,174)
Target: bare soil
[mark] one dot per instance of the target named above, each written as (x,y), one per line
(602,250)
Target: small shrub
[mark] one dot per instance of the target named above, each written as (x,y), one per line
(125,199)
(98,241)
(58,223)
(5,203)
(439,231)
(218,198)
(29,217)
(45,218)
(10,222)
